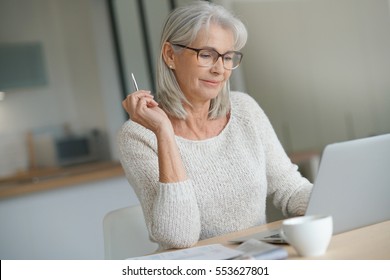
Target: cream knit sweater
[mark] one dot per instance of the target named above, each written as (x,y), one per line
(230,176)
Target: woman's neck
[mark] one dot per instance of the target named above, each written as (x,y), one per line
(198,126)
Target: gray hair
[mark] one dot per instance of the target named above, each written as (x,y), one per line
(182,27)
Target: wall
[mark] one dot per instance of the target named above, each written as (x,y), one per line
(319,68)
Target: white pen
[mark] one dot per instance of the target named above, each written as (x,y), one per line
(134,82)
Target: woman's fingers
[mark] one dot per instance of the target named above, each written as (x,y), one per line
(140,106)
(144,103)
(131,102)
(135,97)
(144,110)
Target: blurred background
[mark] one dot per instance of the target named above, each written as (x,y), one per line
(320,69)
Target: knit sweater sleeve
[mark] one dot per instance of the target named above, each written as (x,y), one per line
(166,206)
(291,191)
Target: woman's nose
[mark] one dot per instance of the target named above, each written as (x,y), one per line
(218,66)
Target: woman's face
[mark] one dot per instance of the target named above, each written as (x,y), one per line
(200,84)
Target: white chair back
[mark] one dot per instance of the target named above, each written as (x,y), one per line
(125,234)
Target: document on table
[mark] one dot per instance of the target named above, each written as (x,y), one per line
(259,250)
(207,252)
(251,249)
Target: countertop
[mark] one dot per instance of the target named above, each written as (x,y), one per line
(57,177)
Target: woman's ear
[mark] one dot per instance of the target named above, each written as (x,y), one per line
(168,55)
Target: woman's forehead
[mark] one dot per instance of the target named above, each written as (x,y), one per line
(214,35)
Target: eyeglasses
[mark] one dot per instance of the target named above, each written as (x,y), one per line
(208,57)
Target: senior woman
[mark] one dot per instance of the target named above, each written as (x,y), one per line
(202,159)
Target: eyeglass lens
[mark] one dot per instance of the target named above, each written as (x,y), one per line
(230,60)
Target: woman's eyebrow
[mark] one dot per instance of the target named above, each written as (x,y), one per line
(214,49)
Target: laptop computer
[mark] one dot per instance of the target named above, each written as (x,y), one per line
(352,185)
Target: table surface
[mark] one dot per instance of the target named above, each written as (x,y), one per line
(366,243)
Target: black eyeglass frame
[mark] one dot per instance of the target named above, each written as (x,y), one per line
(219,55)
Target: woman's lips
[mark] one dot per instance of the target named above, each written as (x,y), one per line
(212,82)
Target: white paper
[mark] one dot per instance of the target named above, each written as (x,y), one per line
(260,250)
(251,249)
(207,252)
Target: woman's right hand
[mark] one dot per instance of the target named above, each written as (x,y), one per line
(143,109)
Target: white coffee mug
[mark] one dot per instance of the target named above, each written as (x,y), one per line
(309,235)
